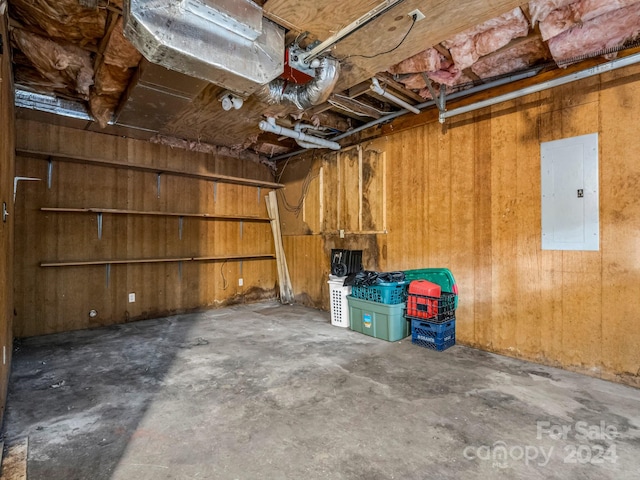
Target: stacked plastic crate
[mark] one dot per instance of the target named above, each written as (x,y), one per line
(378,310)
(430,309)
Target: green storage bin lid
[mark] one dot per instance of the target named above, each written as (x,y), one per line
(441,276)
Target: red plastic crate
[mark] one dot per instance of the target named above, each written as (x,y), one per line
(421,307)
(433,309)
(422,301)
(424,287)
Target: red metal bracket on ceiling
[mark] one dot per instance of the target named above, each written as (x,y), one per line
(291,73)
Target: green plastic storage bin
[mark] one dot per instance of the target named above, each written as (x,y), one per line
(378,320)
(441,276)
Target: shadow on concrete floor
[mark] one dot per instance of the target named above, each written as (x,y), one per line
(266,391)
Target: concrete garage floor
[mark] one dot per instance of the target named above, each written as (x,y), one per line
(275,392)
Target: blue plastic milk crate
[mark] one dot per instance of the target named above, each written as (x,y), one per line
(436,336)
(390,293)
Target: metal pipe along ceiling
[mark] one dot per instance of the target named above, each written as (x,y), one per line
(597,70)
(399,113)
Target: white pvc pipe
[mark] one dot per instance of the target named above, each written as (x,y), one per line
(375,86)
(269,125)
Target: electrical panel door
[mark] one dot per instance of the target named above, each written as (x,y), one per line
(570,206)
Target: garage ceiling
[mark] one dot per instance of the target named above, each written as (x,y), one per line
(74,66)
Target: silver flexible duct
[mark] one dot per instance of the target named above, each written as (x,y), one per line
(303,96)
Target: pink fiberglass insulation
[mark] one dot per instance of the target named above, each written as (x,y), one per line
(467,47)
(521,56)
(448,75)
(606,31)
(539,9)
(577,13)
(429,60)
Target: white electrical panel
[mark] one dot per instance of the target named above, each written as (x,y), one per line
(570,203)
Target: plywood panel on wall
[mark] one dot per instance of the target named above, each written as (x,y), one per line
(467,196)
(7,140)
(58,299)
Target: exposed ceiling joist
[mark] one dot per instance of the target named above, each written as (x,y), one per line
(369,52)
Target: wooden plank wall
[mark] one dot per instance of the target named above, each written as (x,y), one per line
(51,300)
(7,142)
(467,196)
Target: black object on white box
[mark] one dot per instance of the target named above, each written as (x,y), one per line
(345,262)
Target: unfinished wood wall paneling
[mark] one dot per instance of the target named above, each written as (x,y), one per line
(7,146)
(349,190)
(574,110)
(482,272)
(345,192)
(467,196)
(528,285)
(620,224)
(504,231)
(309,268)
(462,214)
(59,299)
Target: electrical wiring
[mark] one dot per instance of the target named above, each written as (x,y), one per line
(413,22)
(346,109)
(306,184)
(297,208)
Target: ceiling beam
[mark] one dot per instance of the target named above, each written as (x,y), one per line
(112,20)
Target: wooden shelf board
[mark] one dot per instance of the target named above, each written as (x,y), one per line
(258,256)
(147,168)
(247,218)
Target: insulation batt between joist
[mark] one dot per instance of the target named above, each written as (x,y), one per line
(539,9)
(437,67)
(113,75)
(112,79)
(102,107)
(63,19)
(428,60)
(577,13)
(519,57)
(66,64)
(606,31)
(467,47)
(119,51)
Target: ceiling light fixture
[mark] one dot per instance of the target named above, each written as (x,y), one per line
(229,101)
